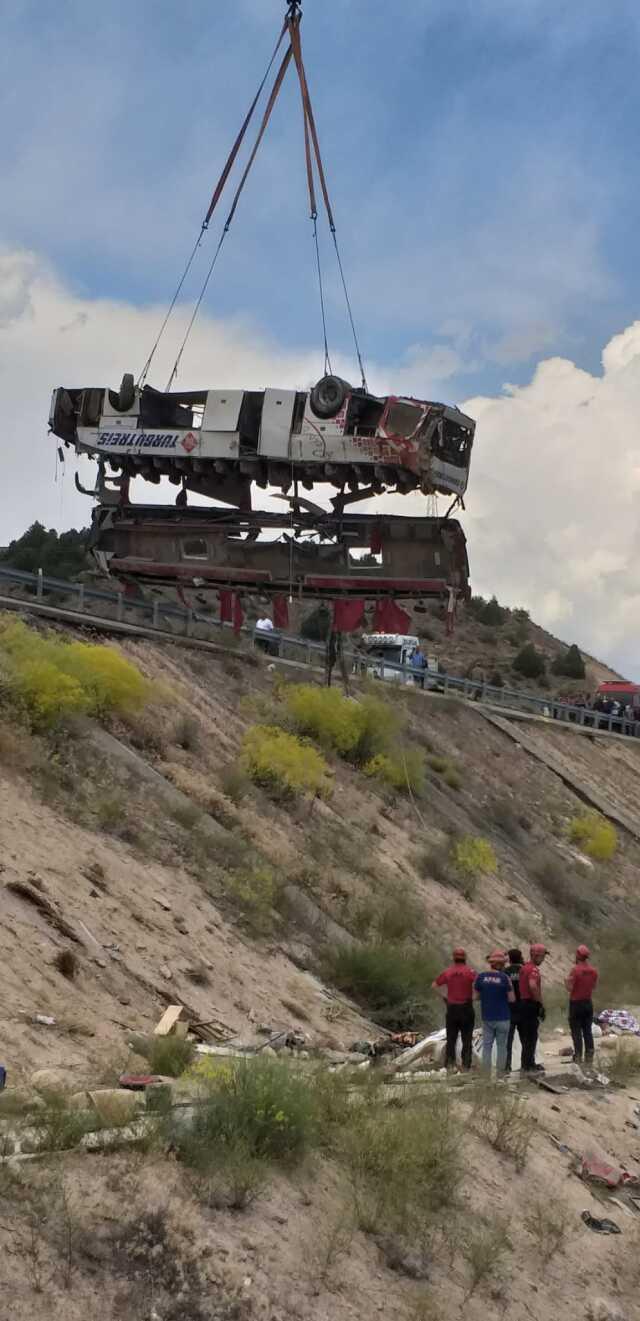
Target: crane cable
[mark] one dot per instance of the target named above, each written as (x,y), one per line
(292,26)
(213,203)
(311,133)
(265,120)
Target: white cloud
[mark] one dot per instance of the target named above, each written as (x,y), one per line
(553,518)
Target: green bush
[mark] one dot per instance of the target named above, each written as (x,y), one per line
(595,835)
(256,890)
(366,732)
(569,663)
(473,856)
(529,662)
(450,773)
(62,556)
(354,729)
(392,982)
(171,1056)
(265,1105)
(402,770)
(283,764)
(53,678)
(491,613)
(405,1166)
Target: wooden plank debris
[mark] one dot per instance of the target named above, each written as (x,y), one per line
(169,1021)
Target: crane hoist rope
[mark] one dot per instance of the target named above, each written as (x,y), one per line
(314,165)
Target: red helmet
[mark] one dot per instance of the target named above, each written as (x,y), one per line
(498,956)
(583,952)
(538,949)
(459,954)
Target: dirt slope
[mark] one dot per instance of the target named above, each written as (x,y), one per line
(127,868)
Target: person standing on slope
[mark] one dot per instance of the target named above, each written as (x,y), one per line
(531,1007)
(513,970)
(496,995)
(455,985)
(581,984)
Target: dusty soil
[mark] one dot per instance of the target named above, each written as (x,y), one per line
(144,912)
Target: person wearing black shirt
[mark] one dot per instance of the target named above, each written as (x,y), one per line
(513,970)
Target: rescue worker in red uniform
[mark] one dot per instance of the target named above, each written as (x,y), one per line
(581,984)
(455,985)
(531,1007)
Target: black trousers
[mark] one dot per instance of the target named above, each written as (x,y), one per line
(460,1020)
(528,1027)
(581,1025)
(515,1027)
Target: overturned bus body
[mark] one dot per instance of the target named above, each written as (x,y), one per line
(219,442)
(213,549)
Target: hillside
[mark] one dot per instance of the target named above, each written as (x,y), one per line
(175,877)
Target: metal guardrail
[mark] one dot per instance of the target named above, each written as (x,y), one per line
(189,623)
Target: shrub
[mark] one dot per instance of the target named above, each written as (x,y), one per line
(622,1065)
(398,917)
(234,783)
(186,815)
(186,733)
(402,770)
(255,889)
(569,663)
(390,981)
(595,835)
(619,965)
(561,886)
(504,815)
(548,1222)
(484,1246)
(56,1127)
(405,1166)
(283,764)
(66,961)
(473,856)
(529,662)
(54,678)
(503,1120)
(262,1107)
(171,1055)
(491,613)
(354,729)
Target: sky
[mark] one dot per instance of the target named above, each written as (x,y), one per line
(481,158)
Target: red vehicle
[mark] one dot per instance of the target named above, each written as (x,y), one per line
(627,694)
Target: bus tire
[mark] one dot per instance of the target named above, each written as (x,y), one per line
(328,396)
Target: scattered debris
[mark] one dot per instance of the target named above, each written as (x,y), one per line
(599,1170)
(164,903)
(44,1020)
(619,1020)
(602,1226)
(621,1205)
(138,1082)
(169,1021)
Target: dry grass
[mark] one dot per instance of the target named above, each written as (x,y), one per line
(503,1120)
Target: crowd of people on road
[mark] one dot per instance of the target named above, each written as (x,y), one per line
(601,705)
(509,995)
